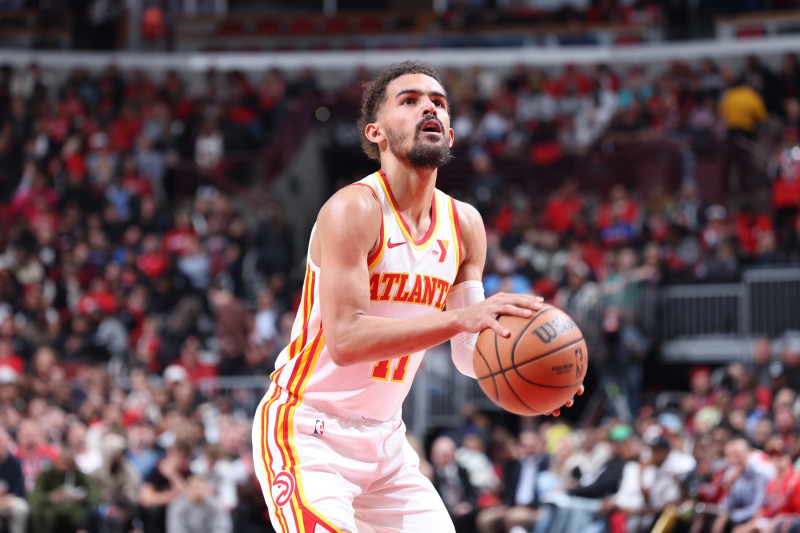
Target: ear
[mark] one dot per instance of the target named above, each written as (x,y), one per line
(374,133)
(452,136)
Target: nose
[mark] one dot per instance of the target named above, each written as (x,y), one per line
(429,108)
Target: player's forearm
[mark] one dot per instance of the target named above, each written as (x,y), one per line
(369,338)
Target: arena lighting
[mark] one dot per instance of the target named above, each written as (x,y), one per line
(457,58)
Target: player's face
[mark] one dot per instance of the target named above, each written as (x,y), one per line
(416,121)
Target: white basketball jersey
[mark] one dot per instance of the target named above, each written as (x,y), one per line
(407,279)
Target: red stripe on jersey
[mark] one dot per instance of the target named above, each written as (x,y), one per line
(457,228)
(301,367)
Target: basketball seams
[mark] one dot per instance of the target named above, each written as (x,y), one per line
(505,377)
(515,366)
(522,333)
(551,352)
(516,394)
(494,382)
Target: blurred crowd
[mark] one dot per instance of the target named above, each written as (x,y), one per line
(723,456)
(135,272)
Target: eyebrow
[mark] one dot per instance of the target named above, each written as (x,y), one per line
(417,91)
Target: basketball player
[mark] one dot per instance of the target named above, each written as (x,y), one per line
(386,256)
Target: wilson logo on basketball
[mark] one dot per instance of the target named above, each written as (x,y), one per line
(551,329)
(282,488)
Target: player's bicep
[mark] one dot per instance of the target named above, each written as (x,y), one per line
(347,229)
(473,242)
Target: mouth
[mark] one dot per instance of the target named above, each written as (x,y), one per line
(431,126)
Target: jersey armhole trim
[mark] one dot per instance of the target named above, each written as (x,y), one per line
(456,231)
(375,256)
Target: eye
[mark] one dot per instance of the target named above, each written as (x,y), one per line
(407,101)
(438,103)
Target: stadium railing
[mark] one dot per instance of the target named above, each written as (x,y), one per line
(337,64)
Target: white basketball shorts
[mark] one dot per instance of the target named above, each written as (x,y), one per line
(325,473)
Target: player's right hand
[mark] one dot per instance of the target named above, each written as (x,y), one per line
(485,314)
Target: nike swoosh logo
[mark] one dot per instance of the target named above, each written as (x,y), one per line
(391,244)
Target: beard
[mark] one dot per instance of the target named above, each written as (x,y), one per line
(421,154)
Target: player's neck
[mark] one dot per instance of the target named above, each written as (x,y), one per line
(411,187)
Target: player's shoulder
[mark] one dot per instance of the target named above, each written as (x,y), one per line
(353,203)
(468,216)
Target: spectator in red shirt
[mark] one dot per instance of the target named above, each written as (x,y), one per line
(618,217)
(190,360)
(782,502)
(178,239)
(33,451)
(152,261)
(563,208)
(9,359)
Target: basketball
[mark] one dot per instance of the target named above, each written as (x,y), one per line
(537,368)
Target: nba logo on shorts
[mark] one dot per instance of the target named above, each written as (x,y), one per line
(319,427)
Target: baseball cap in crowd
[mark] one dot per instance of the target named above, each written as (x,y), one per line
(131,417)
(620,432)
(670,423)
(659,442)
(7,375)
(174,374)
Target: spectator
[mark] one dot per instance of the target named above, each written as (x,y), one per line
(577,507)
(520,495)
(142,453)
(743,110)
(164,485)
(14,507)
(453,484)
(580,298)
(117,483)
(62,496)
(745,487)
(782,501)
(223,467)
(664,481)
(625,507)
(196,511)
(36,455)
(232,325)
(88,459)
(471,455)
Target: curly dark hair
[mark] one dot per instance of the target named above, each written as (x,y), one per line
(375,95)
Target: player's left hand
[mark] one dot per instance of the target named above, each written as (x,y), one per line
(569,403)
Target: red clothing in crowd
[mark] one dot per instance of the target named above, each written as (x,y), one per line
(749,228)
(786,192)
(614,212)
(12,361)
(153,264)
(783,495)
(34,461)
(137,185)
(177,240)
(102,300)
(560,213)
(197,371)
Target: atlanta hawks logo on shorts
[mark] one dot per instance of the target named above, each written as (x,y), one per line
(282,488)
